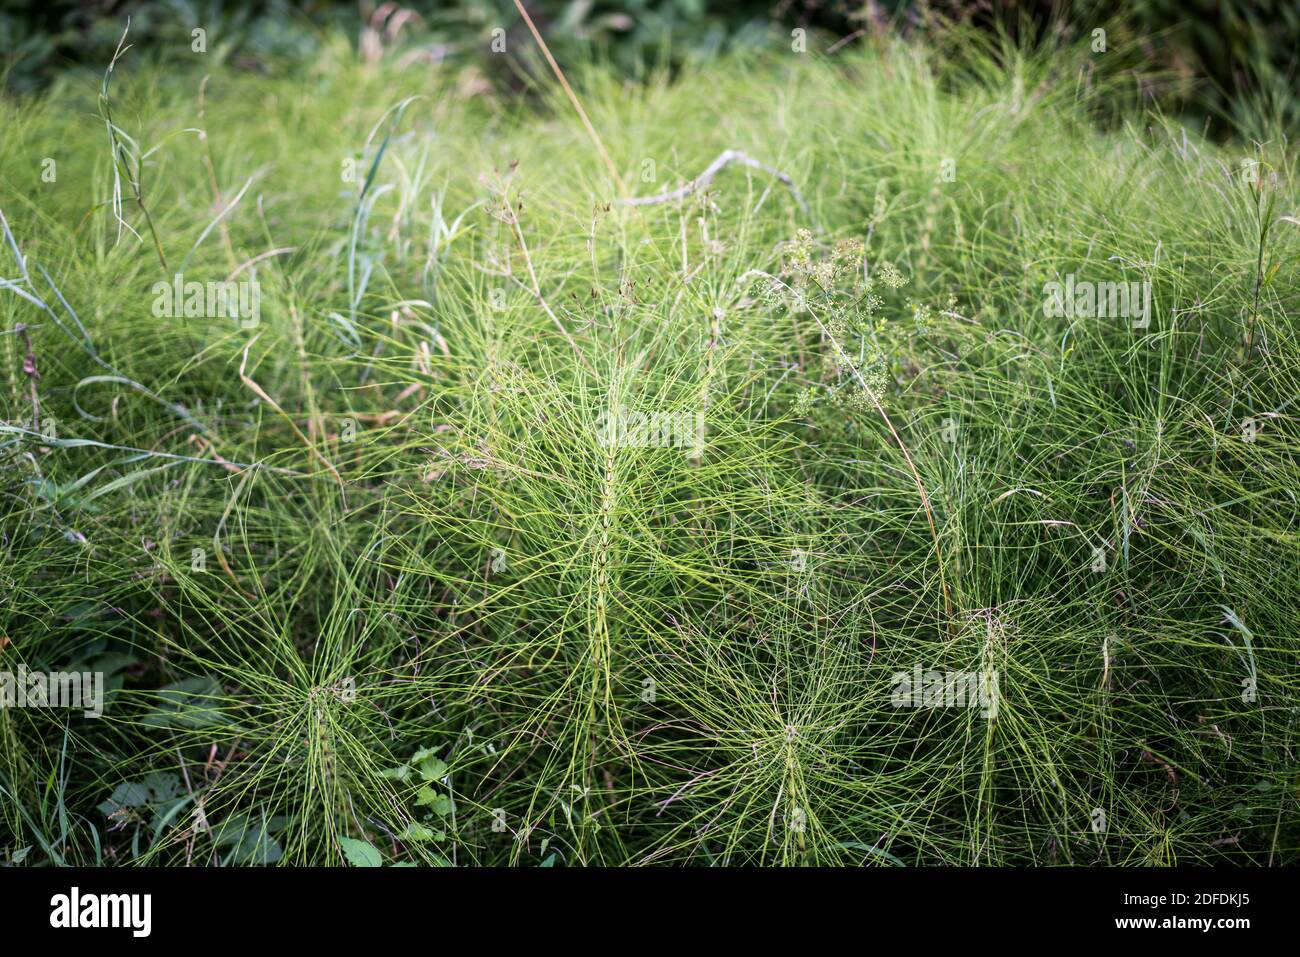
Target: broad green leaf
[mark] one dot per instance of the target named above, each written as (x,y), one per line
(416,831)
(190,703)
(360,853)
(442,805)
(153,790)
(430,766)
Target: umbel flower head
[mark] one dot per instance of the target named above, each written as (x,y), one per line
(842,266)
(799,253)
(847,256)
(891,277)
(836,290)
(804,402)
(871,380)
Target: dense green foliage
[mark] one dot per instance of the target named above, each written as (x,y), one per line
(369,585)
(1202,58)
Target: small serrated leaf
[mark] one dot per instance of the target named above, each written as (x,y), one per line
(416,831)
(442,805)
(430,766)
(189,703)
(360,853)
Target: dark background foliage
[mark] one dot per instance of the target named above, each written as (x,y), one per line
(1201,56)
(1204,54)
